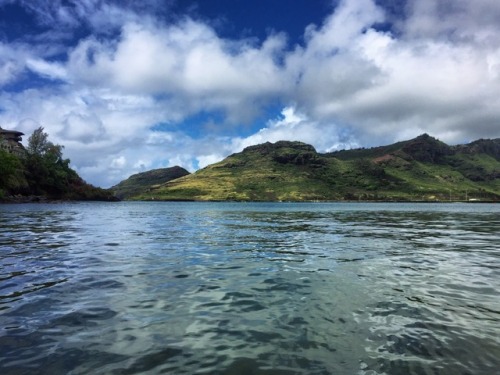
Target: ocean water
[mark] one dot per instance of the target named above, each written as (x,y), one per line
(243,288)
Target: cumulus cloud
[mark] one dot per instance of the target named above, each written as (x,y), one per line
(295,126)
(455,20)
(186,61)
(119,97)
(387,88)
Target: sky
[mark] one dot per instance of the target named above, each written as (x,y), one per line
(128,86)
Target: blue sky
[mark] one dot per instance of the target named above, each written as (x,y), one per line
(128,86)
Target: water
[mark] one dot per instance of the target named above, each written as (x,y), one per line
(234,288)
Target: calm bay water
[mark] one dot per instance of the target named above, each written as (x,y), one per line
(234,288)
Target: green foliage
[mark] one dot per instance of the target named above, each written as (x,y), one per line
(12,179)
(39,145)
(8,166)
(422,169)
(140,182)
(44,172)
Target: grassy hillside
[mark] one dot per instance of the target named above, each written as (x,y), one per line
(422,169)
(144,181)
(284,171)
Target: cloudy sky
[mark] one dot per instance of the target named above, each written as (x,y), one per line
(128,86)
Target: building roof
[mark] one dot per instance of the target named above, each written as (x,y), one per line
(11,132)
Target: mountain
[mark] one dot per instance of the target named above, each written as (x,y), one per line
(420,169)
(142,182)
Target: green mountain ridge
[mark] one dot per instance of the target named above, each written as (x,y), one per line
(144,181)
(420,169)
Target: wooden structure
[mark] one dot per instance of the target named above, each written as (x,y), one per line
(10,141)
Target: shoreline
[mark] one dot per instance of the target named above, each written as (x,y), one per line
(43,199)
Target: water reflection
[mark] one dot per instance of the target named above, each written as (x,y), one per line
(186,288)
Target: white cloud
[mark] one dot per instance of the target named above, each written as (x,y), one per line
(8,71)
(12,64)
(119,162)
(82,127)
(205,160)
(187,61)
(350,83)
(46,69)
(460,21)
(386,87)
(295,126)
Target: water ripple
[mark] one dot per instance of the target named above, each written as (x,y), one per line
(183,288)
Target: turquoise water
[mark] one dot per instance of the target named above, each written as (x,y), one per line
(236,288)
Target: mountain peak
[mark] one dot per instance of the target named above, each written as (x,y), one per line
(422,168)
(427,149)
(268,147)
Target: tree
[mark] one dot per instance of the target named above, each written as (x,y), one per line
(44,172)
(38,142)
(46,169)
(8,166)
(39,145)
(12,178)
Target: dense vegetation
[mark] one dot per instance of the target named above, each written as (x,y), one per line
(421,169)
(42,173)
